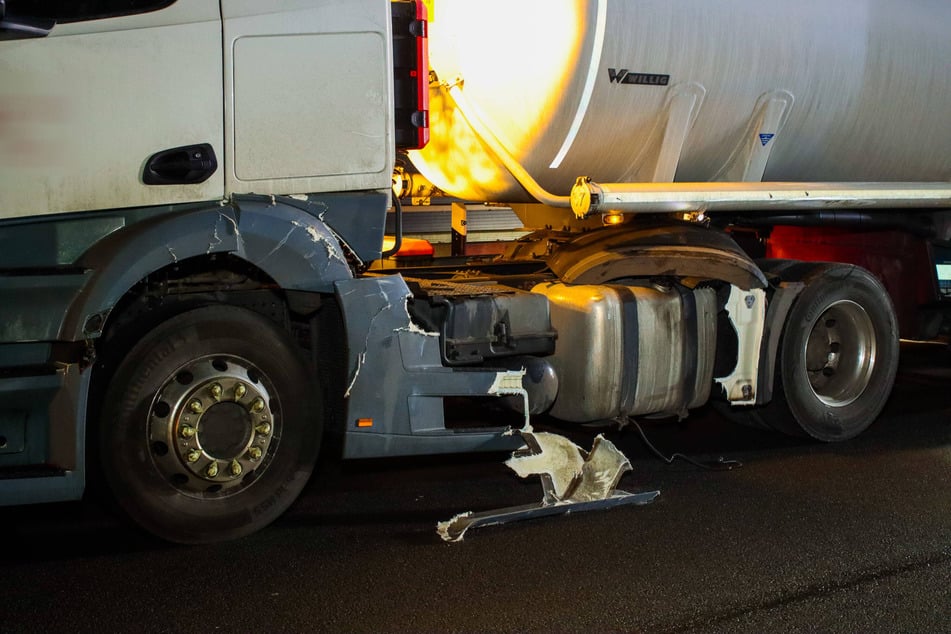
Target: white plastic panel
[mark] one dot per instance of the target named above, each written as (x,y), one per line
(84,108)
(324,117)
(310,85)
(747,311)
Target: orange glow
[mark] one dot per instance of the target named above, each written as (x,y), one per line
(410,248)
(429,9)
(364,422)
(514,60)
(612,219)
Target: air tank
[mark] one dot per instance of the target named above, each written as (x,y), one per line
(687,90)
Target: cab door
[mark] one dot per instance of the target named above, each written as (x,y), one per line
(309,96)
(109,104)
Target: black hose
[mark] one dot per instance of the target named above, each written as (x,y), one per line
(398,226)
(719,465)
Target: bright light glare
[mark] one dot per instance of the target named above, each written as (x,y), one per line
(515,58)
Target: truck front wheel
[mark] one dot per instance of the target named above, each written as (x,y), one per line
(211,426)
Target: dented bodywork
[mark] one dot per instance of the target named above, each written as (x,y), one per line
(573,480)
(286,242)
(62,277)
(397,380)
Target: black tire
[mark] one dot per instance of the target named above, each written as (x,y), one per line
(211,426)
(837,359)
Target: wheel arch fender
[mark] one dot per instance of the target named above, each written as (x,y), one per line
(293,248)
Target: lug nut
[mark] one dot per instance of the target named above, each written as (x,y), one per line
(196,406)
(258,405)
(239,391)
(212,470)
(255,453)
(264,429)
(193,455)
(235,468)
(187,431)
(216,391)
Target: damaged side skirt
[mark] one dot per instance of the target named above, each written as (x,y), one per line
(573,480)
(454,530)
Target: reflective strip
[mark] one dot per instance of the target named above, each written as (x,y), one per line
(588,84)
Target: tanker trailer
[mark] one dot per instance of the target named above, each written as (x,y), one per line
(690,91)
(721,115)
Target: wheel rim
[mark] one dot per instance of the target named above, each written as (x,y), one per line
(840,353)
(212,426)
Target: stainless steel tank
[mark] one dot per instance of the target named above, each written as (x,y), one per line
(608,368)
(688,90)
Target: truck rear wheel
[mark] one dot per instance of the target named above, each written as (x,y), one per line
(210,426)
(837,360)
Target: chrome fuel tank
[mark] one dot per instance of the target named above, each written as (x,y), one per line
(689,90)
(630,350)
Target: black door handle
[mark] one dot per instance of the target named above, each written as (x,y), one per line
(184,165)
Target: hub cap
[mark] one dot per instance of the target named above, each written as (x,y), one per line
(212,429)
(840,353)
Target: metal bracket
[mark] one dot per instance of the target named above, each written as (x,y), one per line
(747,312)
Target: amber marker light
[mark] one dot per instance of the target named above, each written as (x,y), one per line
(612,219)
(364,422)
(410,248)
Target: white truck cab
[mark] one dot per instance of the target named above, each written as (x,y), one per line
(126,104)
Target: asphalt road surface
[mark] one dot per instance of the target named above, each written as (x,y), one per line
(852,537)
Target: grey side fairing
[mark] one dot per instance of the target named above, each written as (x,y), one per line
(397,380)
(39,274)
(59,275)
(359,219)
(64,395)
(32,307)
(290,245)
